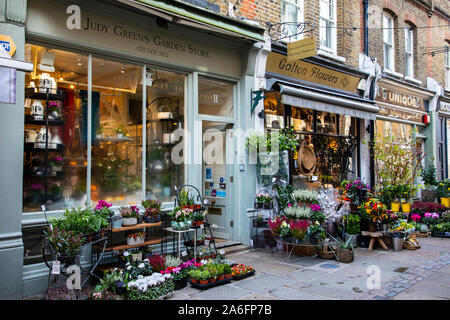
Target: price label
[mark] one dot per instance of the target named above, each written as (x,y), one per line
(56,267)
(43,207)
(251,242)
(183,253)
(202,226)
(314,178)
(222,252)
(207,242)
(274,179)
(205,201)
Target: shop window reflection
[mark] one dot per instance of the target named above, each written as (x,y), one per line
(273,110)
(165,117)
(57,179)
(116,132)
(302,119)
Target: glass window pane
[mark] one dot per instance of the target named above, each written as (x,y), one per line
(325,9)
(116,132)
(165,115)
(54,173)
(215,97)
(302,119)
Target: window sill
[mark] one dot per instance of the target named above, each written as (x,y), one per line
(393,73)
(411,79)
(329,55)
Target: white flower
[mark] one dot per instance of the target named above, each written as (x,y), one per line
(140,277)
(141,265)
(126,254)
(129,268)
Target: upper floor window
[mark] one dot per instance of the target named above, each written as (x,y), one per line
(409,52)
(292,11)
(328,25)
(447,66)
(388,42)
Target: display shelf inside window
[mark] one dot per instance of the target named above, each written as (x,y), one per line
(43,147)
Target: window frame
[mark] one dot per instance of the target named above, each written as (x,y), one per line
(328,31)
(299,4)
(409,55)
(447,67)
(390,63)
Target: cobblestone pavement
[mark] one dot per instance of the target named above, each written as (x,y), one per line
(409,274)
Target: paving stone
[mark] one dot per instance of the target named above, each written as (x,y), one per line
(274,267)
(307,274)
(286,293)
(223,292)
(264,283)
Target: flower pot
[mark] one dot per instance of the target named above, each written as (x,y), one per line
(372,227)
(406,207)
(227,276)
(445,202)
(194,280)
(345,255)
(397,243)
(129,222)
(188,206)
(117,224)
(325,254)
(182,225)
(268,205)
(198,223)
(221,277)
(203,281)
(331,228)
(212,280)
(395,206)
(132,242)
(180,284)
(258,205)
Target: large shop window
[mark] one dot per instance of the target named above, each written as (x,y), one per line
(328,143)
(56,131)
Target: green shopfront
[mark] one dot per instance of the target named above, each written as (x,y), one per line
(138,87)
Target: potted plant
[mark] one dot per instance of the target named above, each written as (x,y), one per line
(299,229)
(66,243)
(152,210)
(116,221)
(305,197)
(356,191)
(181,218)
(268,204)
(442,192)
(352,228)
(259,201)
(345,252)
(258,222)
(242,271)
(136,238)
(325,250)
(204,276)
(198,217)
(129,216)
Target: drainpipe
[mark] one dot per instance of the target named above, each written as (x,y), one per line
(366,26)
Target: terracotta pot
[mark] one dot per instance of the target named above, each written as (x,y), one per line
(221,278)
(228,276)
(194,280)
(203,281)
(212,280)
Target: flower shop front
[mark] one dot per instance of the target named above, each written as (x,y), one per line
(324,105)
(108,100)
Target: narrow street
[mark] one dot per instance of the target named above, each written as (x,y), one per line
(422,274)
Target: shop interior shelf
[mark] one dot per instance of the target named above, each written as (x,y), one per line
(37,146)
(125,246)
(54,95)
(30,120)
(138,226)
(113,139)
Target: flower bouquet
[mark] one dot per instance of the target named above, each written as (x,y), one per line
(152,287)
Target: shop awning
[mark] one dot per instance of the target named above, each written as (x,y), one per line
(184,13)
(310,99)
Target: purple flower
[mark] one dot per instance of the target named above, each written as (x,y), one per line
(289,205)
(435,215)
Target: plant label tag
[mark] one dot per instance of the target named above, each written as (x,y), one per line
(56,267)
(207,242)
(251,242)
(184,253)
(202,226)
(43,207)
(222,252)
(274,179)
(314,178)
(205,201)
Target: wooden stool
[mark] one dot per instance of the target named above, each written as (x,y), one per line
(375,236)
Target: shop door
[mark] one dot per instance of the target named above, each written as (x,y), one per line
(217,164)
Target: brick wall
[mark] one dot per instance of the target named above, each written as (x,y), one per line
(351,42)
(408,12)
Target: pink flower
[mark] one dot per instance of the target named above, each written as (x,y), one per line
(416,217)
(289,205)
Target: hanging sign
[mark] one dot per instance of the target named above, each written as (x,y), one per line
(301,49)
(8,44)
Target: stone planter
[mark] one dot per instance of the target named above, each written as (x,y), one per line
(132,242)
(126,222)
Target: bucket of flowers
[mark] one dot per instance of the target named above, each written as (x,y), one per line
(153,287)
(242,271)
(129,216)
(152,210)
(181,218)
(136,238)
